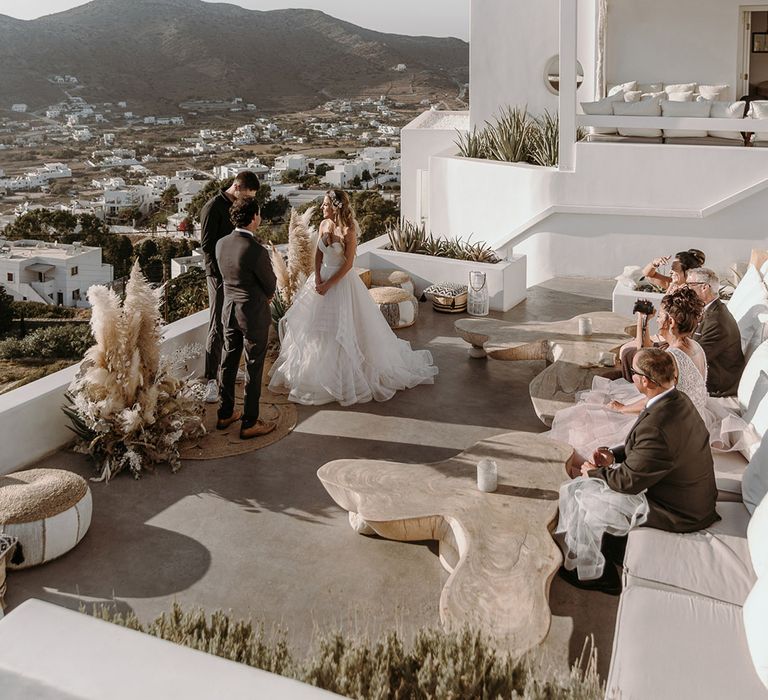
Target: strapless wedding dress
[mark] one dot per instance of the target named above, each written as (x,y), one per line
(338,347)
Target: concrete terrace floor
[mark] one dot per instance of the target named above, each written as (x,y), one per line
(258,535)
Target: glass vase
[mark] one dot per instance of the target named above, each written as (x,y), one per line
(478,300)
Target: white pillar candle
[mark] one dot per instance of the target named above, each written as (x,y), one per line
(585,326)
(487,475)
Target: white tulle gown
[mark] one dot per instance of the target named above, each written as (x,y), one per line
(338,347)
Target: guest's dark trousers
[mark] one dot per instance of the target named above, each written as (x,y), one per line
(215,339)
(246,327)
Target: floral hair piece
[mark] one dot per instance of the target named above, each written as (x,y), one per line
(335,201)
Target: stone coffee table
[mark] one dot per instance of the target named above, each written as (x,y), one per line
(496,546)
(572,359)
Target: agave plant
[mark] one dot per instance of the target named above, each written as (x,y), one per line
(545,140)
(407,237)
(278,308)
(473,144)
(434,246)
(509,138)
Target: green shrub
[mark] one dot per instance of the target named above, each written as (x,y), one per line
(36,309)
(186,294)
(449,665)
(67,341)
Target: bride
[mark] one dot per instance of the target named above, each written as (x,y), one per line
(335,343)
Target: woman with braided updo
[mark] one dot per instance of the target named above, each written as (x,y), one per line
(335,344)
(604,415)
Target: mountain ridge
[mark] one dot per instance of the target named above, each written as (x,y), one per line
(158,53)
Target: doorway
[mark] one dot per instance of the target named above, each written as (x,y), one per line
(753,73)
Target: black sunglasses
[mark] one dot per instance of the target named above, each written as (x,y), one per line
(633,371)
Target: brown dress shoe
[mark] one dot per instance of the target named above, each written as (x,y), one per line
(258,429)
(224,423)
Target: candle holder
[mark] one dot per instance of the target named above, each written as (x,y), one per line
(585,326)
(487,475)
(478,301)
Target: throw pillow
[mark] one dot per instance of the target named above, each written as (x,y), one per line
(637,109)
(713,92)
(632,96)
(650,87)
(758,109)
(679,87)
(657,97)
(623,87)
(680,96)
(728,110)
(670,108)
(755,614)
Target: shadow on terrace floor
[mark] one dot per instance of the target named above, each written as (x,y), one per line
(258,535)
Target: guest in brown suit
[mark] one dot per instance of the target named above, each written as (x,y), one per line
(666,456)
(718,334)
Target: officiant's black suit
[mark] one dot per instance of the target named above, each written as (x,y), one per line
(667,452)
(249,284)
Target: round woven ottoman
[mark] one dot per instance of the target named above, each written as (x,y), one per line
(392,278)
(47,510)
(400,308)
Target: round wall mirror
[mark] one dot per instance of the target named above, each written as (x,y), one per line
(552,75)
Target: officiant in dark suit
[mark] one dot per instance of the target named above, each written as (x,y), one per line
(249,284)
(718,334)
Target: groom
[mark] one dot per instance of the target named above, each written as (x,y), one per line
(249,284)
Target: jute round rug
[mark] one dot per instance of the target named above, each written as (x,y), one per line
(216,444)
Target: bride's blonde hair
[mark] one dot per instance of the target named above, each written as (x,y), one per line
(344,216)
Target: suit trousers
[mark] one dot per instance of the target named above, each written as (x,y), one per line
(246,327)
(215,339)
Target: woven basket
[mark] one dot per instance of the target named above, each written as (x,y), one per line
(450,305)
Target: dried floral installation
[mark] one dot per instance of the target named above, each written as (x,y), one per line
(291,275)
(128,406)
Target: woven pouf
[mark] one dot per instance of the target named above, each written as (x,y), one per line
(48,510)
(7,543)
(400,309)
(392,278)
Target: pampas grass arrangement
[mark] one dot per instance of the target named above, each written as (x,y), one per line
(437,664)
(291,275)
(127,405)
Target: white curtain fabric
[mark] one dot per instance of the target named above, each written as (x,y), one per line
(602,23)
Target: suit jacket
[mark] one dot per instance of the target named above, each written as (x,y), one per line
(249,283)
(214,225)
(718,334)
(667,452)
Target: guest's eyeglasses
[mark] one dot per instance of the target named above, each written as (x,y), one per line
(634,372)
(697,284)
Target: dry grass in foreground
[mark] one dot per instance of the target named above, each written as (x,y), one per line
(450,666)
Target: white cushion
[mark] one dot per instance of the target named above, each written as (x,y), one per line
(751,377)
(623,87)
(679,87)
(650,87)
(727,110)
(758,109)
(602,108)
(680,96)
(638,109)
(729,472)
(632,96)
(756,628)
(656,97)
(685,109)
(754,486)
(757,539)
(713,92)
(748,303)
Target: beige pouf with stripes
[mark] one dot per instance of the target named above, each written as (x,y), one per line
(400,308)
(47,510)
(392,278)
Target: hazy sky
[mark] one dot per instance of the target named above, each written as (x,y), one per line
(428,17)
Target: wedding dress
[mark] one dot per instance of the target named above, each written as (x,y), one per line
(339,347)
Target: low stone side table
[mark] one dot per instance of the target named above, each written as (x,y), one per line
(496,546)
(572,359)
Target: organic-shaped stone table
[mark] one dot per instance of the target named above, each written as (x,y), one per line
(572,359)
(497,546)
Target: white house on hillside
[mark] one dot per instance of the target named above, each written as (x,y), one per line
(49,273)
(615,202)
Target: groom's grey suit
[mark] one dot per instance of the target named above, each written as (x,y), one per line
(249,284)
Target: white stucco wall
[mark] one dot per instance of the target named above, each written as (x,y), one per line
(510,44)
(674,42)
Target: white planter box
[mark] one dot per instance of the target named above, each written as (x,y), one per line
(506,280)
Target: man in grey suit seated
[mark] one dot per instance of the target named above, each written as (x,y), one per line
(249,284)
(666,457)
(718,334)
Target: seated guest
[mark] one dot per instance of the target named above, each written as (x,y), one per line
(681,264)
(662,477)
(718,334)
